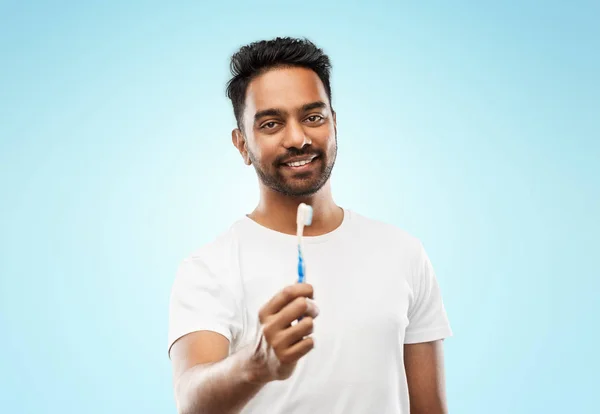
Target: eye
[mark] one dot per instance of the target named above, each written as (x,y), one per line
(314,118)
(269,125)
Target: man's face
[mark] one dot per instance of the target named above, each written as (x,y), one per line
(290,131)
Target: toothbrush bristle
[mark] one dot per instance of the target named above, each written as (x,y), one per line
(305,214)
(308,212)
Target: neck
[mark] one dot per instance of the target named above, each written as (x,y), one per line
(278,212)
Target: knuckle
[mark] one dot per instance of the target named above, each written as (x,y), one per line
(288,292)
(302,304)
(268,331)
(285,358)
(310,289)
(276,342)
(310,343)
(308,323)
(306,329)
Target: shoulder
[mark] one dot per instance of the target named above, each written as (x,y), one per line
(387,233)
(211,259)
(219,247)
(215,249)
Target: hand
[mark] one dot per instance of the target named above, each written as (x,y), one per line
(279,343)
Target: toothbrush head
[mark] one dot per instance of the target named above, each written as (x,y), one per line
(305,213)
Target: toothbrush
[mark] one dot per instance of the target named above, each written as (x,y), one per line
(303,218)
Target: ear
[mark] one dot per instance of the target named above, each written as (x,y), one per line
(238,140)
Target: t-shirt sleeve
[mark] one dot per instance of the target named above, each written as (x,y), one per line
(201,301)
(427,316)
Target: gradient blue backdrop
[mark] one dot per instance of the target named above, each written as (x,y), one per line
(473,126)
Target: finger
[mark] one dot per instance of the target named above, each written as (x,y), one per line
(313,310)
(295,333)
(297,351)
(293,311)
(283,298)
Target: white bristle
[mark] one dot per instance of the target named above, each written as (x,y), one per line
(304,217)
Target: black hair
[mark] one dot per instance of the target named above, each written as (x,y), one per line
(256,58)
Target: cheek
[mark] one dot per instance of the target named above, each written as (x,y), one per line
(263,152)
(328,139)
(321,136)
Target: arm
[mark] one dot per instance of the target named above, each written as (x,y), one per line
(206,379)
(424,364)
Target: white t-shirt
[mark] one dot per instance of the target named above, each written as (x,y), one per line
(376,291)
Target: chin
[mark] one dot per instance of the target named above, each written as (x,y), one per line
(302,190)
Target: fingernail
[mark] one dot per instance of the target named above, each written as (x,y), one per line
(314,305)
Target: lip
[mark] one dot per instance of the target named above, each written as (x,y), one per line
(304,158)
(304,167)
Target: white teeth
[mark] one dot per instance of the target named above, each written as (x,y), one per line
(298,163)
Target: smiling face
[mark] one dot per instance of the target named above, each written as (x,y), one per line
(289,131)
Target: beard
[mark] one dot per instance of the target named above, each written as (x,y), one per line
(300,184)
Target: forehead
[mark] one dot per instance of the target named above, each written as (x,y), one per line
(284,88)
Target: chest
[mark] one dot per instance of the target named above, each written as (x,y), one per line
(362,293)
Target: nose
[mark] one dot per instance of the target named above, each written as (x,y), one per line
(295,136)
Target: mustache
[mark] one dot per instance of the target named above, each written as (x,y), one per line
(294,152)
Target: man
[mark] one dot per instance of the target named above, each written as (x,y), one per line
(363,334)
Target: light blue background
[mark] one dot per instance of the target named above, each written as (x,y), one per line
(472,126)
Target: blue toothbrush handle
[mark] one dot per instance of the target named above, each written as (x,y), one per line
(301,271)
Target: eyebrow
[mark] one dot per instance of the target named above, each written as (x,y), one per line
(313,105)
(280,113)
